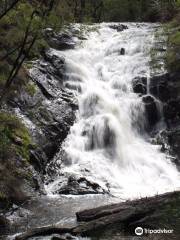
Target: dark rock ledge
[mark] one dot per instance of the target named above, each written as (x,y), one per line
(118,27)
(156,212)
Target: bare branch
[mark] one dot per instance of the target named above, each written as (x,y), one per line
(8,8)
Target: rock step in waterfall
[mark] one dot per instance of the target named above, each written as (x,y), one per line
(108,148)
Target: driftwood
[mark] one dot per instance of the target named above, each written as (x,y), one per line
(125,214)
(136,206)
(44,231)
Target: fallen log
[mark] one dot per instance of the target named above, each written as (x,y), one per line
(41,231)
(140,205)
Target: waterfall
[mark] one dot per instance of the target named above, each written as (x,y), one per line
(108,144)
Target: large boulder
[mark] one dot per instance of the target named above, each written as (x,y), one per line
(79,186)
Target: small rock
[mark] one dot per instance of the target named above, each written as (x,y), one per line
(140,85)
(119,27)
(122,51)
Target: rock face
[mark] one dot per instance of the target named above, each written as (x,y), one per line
(161,97)
(47,110)
(151,108)
(51,110)
(159,87)
(167,88)
(172,112)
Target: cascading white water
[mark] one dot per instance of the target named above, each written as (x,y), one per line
(107,144)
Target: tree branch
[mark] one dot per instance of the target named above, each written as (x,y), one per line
(8,9)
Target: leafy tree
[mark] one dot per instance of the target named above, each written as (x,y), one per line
(21,22)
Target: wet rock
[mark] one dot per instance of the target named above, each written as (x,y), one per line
(140,85)
(151,109)
(166,87)
(172,112)
(48,74)
(159,87)
(51,119)
(119,27)
(80,186)
(61,41)
(122,51)
(38,159)
(161,139)
(52,130)
(56,61)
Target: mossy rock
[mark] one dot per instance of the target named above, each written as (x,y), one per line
(31,89)
(173,43)
(175,39)
(14,137)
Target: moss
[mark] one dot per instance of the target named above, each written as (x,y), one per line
(170,214)
(31,89)
(172,60)
(40,46)
(28,64)
(4,70)
(174,39)
(14,137)
(173,43)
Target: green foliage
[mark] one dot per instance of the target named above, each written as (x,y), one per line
(14,137)
(174,39)
(173,53)
(4,69)
(31,89)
